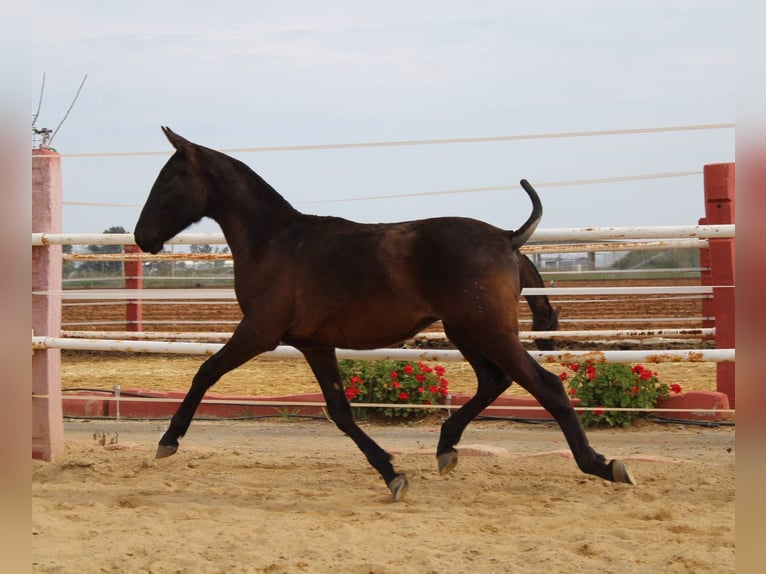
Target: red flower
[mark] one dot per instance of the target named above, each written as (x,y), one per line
(646,375)
(637,369)
(396,384)
(574,367)
(634,391)
(420,378)
(394,375)
(563,376)
(675,388)
(403,396)
(356,379)
(434,389)
(351,393)
(572,392)
(421,390)
(408,369)
(439,370)
(598,411)
(590,372)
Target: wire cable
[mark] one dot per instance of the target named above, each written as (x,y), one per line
(506,187)
(441,141)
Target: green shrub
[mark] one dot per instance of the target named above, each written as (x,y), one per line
(393,382)
(606,386)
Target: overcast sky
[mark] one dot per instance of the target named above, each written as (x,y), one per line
(253,74)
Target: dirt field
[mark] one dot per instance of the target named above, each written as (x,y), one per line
(269,377)
(280,496)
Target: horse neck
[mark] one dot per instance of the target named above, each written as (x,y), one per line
(248,209)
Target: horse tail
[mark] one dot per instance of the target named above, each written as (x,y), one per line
(523,233)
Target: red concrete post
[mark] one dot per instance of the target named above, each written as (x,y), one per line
(719,209)
(134,279)
(47,416)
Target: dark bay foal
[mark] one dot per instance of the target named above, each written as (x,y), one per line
(321,283)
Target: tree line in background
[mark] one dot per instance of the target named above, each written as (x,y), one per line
(108,268)
(666,259)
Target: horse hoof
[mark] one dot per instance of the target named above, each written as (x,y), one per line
(447,461)
(399,487)
(620,473)
(164,451)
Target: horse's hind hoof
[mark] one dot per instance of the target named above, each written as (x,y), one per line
(620,472)
(399,487)
(447,461)
(164,451)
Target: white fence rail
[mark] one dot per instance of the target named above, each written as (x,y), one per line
(561,239)
(443,355)
(540,235)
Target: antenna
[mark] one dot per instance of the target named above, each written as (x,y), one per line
(45,134)
(39,103)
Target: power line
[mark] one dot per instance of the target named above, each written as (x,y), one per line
(443,141)
(566,183)
(39,103)
(66,115)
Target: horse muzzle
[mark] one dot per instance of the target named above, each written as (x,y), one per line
(147,244)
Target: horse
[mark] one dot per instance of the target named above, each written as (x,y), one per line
(544,316)
(319,283)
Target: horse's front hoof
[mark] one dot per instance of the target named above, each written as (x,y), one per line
(620,472)
(164,451)
(447,461)
(399,487)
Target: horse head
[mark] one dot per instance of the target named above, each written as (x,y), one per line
(179,197)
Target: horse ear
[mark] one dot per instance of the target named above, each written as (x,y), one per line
(181,144)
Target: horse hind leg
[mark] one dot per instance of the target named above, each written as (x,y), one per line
(243,346)
(325,367)
(549,392)
(492,381)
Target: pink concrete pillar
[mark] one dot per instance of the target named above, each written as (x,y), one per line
(47,415)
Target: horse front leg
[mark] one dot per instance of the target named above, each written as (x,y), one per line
(243,346)
(324,364)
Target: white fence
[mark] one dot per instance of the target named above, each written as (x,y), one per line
(544,240)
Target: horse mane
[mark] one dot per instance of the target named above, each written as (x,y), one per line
(222,166)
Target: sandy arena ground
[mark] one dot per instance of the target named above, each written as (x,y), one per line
(297,496)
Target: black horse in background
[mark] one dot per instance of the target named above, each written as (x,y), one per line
(544,316)
(321,283)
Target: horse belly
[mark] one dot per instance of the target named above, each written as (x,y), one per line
(365,328)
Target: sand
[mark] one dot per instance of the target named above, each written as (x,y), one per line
(281,495)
